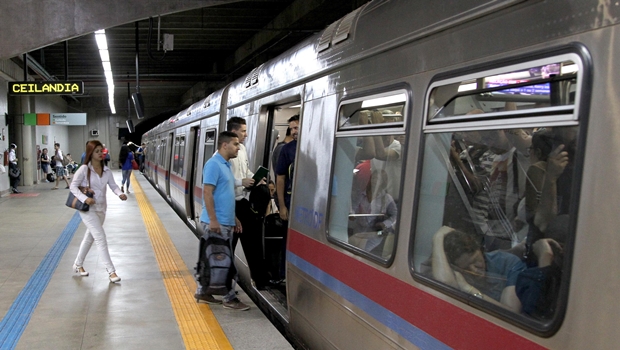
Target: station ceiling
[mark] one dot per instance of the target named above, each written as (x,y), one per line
(212,46)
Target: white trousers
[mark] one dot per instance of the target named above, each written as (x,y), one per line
(94,233)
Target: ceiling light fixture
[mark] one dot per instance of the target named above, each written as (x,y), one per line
(102,44)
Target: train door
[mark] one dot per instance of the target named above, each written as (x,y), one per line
(167,162)
(207,149)
(274,238)
(156,161)
(193,141)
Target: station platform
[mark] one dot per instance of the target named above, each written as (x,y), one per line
(45,305)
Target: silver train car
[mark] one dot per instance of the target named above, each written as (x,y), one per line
(448,188)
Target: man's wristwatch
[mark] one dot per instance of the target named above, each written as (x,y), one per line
(478,295)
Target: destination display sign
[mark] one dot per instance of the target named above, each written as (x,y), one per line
(46,88)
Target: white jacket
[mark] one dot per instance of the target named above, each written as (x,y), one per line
(98,184)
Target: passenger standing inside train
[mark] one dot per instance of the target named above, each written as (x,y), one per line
(140,155)
(218,213)
(284,169)
(60,169)
(251,239)
(284,182)
(276,151)
(94,177)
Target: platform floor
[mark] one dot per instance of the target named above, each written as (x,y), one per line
(44,305)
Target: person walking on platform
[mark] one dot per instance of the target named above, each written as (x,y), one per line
(45,164)
(125,158)
(60,169)
(106,155)
(94,177)
(218,213)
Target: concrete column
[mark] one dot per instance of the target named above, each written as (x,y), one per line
(26,151)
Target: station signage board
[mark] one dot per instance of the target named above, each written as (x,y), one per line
(18,88)
(68,118)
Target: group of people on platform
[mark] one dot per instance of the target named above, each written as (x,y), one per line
(230,191)
(228,212)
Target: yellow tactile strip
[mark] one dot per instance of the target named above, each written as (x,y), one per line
(198,326)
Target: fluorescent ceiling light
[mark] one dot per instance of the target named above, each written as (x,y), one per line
(382,101)
(105,55)
(570,68)
(467,87)
(102,43)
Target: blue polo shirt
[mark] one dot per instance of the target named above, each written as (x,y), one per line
(217,172)
(283,167)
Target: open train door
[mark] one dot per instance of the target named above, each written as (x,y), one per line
(168,154)
(192,209)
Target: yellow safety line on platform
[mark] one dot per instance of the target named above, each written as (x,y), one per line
(198,326)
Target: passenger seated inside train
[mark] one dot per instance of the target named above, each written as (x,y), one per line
(548,160)
(460,261)
(495,183)
(373,211)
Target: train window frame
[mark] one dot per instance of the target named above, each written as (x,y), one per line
(383,129)
(385,100)
(545,115)
(576,117)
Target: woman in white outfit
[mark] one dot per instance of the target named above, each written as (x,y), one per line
(100,176)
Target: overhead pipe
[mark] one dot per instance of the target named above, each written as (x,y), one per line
(137,97)
(67,60)
(25,66)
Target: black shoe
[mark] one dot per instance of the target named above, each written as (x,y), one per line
(15,190)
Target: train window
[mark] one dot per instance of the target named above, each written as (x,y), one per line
(365,188)
(176,158)
(209,145)
(496,203)
(181,155)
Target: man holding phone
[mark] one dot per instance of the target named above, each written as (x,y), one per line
(251,239)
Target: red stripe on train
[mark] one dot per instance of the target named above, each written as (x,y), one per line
(451,325)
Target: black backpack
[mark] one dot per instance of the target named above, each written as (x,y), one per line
(213,270)
(259,199)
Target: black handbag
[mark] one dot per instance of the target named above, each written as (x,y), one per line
(73,202)
(14,171)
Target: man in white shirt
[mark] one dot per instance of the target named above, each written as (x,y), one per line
(13,169)
(251,236)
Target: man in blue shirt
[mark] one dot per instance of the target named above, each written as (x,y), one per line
(284,169)
(218,213)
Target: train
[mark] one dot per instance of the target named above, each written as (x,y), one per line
(425,125)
